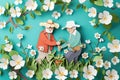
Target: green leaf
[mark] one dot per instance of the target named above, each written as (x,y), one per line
(7,6)
(37,12)
(0,72)
(42,1)
(11,29)
(6,56)
(107,26)
(99,2)
(115,18)
(13,52)
(32,15)
(19,21)
(96,58)
(78,6)
(27,27)
(85,8)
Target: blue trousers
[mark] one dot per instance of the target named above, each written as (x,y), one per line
(73,56)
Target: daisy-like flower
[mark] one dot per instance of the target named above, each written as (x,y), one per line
(67,1)
(29,46)
(30,73)
(2,10)
(97,35)
(66,51)
(107,64)
(18,2)
(12,75)
(115,60)
(32,52)
(114,46)
(103,48)
(97,49)
(99,63)
(108,3)
(82,1)
(117,4)
(111,75)
(17,62)
(87,41)
(69,11)
(19,36)
(56,14)
(73,74)
(8,47)
(61,73)
(31,5)
(92,12)
(15,12)
(105,17)
(89,72)
(2,25)
(84,55)
(47,74)
(48,5)
(4,63)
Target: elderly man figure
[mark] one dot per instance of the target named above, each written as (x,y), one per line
(46,40)
(74,50)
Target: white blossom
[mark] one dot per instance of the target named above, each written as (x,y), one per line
(108,3)
(15,12)
(117,4)
(99,63)
(19,36)
(84,55)
(69,11)
(8,47)
(87,41)
(105,17)
(111,75)
(29,46)
(92,12)
(4,63)
(67,1)
(31,5)
(12,75)
(2,25)
(2,10)
(73,74)
(97,49)
(56,14)
(82,1)
(61,73)
(97,35)
(107,64)
(114,46)
(115,60)
(30,73)
(47,74)
(89,72)
(32,52)
(17,62)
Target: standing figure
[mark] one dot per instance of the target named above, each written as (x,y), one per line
(73,45)
(46,40)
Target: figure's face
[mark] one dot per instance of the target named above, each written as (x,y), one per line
(70,30)
(49,29)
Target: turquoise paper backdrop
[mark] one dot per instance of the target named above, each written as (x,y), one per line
(79,16)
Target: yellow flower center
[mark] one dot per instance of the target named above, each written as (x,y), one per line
(116,46)
(99,63)
(89,72)
(18,62)
(111,76)
(0,10)
(61,73)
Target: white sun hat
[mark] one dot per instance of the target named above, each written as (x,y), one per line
(70,24)
(50,23)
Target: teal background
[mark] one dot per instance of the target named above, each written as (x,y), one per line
(79,16)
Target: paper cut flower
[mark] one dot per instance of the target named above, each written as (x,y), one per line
(69,11)
(12,75)
(31,5)
(92,12)
(30,73)
(17,62)
(8,47)
(18,2)
(61,73)
(108,3)
(2,25)
(19,36)
(47,74)
(4,63)
(56,14)
(105,17)
(73,74)
(2,10)
(15,12)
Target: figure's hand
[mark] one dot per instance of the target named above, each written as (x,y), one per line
(59,48)
(41,48)
(65,51)
(58,43)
